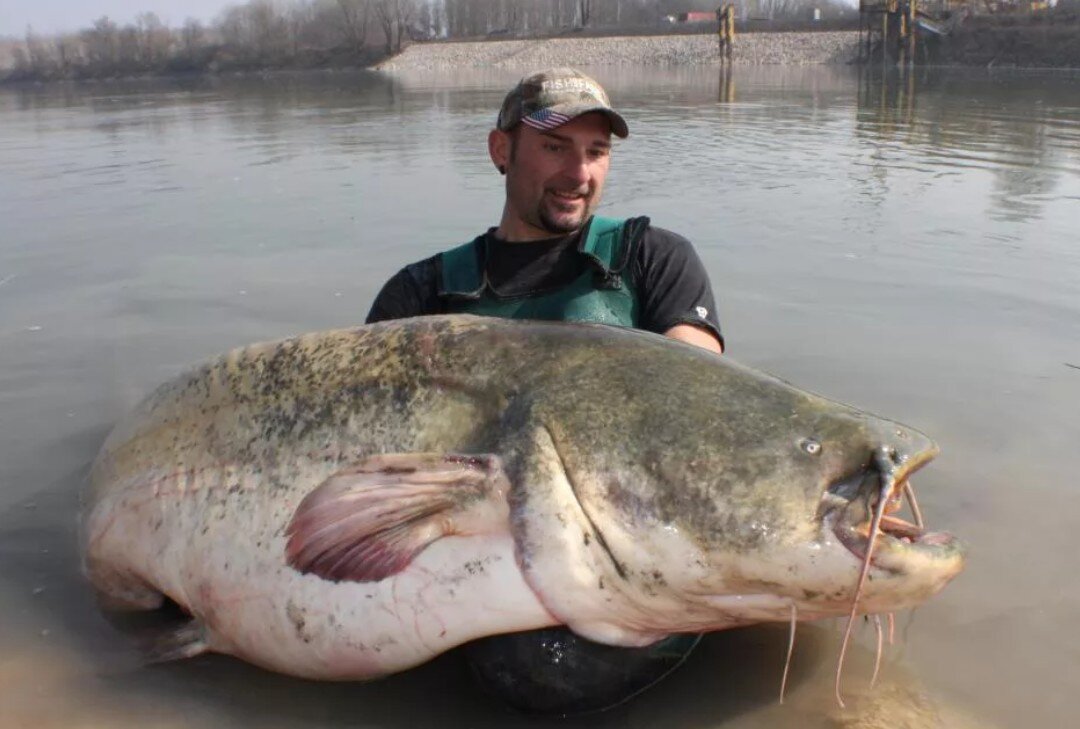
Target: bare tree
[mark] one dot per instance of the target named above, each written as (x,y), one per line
(585,9)
(299,17)
(355,16)
(154,39)
(438,19)
(466,18)
(269,30)
(192,37)
(20,60)
(101,41)
(127,49)
(394,17)
(38,57)
(255,31)
(424,23)
(68,54)
(567,10)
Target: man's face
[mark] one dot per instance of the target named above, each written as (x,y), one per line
(554,178)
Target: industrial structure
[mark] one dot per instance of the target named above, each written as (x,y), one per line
(889,29)
(895,30)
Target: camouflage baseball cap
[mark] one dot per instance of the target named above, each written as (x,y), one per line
(551,98)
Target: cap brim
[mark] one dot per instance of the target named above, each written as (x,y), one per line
(618,124)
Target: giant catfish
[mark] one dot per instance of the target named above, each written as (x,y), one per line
(347,504)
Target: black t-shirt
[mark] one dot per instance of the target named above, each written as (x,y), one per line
(665,272)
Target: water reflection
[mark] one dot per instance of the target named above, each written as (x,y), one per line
(726,94)
(918,120)
(939,124)
(887,99)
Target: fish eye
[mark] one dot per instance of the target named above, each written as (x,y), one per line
(810,446)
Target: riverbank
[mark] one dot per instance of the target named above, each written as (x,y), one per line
(791,49)
(1036,42)
(1009,43)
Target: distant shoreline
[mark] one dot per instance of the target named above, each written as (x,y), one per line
(978,44)
(988,42)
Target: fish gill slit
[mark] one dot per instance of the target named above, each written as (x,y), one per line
(619,569)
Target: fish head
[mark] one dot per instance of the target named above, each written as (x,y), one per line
(739,497)
(786,500)
(708,494)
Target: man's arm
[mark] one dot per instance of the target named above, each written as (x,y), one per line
(411,292)
(694,335)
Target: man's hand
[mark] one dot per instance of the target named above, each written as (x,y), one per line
(695,335)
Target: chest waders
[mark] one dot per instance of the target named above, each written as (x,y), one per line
(602,293)
(553,671)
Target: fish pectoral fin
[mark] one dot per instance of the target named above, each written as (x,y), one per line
(367,522)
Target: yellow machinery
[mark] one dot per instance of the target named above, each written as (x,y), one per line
(725,16)
(892,24)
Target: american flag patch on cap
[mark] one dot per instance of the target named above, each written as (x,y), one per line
(545,119)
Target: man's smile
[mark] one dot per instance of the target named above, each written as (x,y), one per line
(568,195)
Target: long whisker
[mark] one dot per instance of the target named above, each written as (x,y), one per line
(875,524)
(877,656)
(790,651)
(909,492)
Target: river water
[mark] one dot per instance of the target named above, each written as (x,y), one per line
(905,243)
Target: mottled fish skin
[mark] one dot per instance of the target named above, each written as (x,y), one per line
(654,488)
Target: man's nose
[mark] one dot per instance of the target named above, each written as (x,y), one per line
(577,167)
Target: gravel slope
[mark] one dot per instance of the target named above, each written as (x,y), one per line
(750,48)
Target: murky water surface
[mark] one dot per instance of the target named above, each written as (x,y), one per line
(908,244)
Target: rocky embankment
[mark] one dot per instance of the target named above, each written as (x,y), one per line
(792,49)
(1017,45)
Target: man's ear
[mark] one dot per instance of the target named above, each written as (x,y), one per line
(499,149)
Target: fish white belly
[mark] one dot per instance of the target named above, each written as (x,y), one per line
(458,589)
(232,577)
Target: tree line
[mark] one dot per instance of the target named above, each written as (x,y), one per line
(264,34)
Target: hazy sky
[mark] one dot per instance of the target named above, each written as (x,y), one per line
(50,16)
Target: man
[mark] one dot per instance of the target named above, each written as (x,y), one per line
(551,258)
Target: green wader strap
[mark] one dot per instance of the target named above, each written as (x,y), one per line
(602,294)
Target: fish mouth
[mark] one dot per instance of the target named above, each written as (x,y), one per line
(898,545)
(860,510)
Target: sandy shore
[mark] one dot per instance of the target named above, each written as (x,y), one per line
(795,49)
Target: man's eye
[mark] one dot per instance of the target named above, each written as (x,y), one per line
(552,147)
(598,153)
